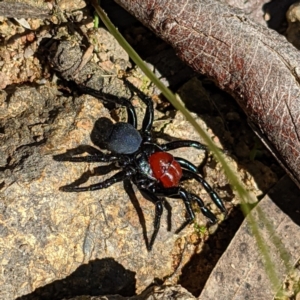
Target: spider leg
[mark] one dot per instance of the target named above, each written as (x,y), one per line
(180,144)
(190,173)
(149,114)
(101,157)
(179,192)
(114,99)
(187,174)
(75,152)
(158,212)
(186,164)
(120,176)
(205,211)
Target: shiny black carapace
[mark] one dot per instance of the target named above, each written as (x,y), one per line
(155,172)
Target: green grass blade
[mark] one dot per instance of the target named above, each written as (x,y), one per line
(234,181)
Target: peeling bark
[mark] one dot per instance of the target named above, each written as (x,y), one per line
(253,63)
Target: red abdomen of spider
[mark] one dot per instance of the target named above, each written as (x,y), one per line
(165,169)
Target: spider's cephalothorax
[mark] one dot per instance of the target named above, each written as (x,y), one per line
(155,172)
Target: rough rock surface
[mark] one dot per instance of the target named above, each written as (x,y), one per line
(277,217)
(50,233)
(175,292)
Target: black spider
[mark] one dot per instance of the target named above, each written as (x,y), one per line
(155,172)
